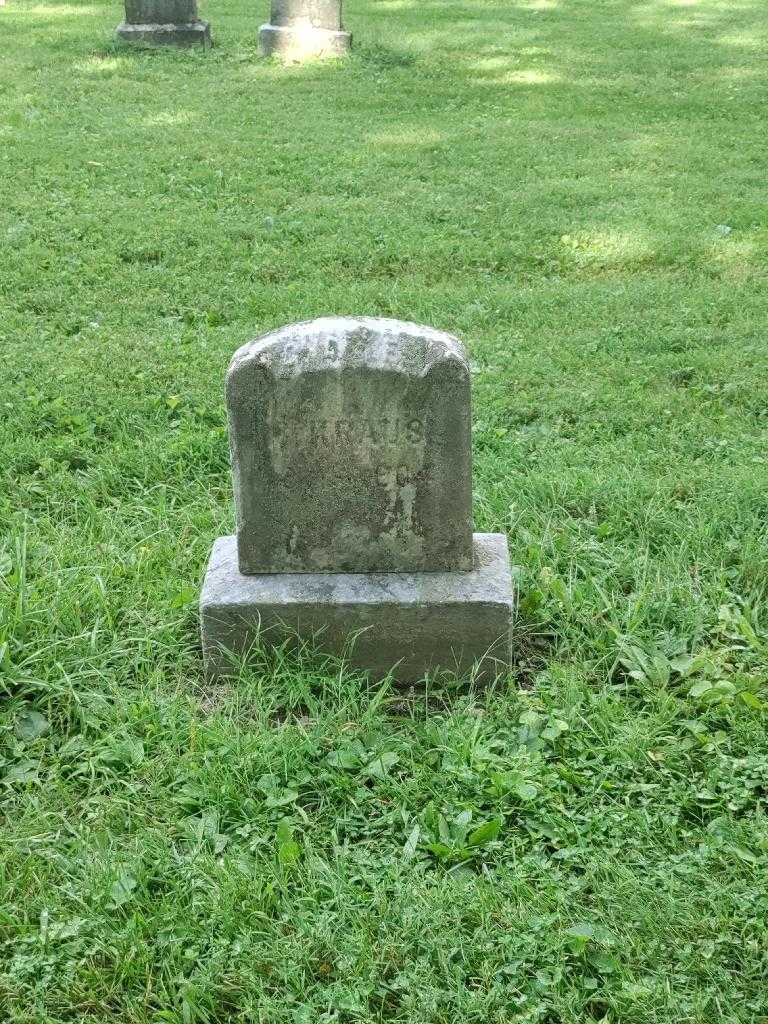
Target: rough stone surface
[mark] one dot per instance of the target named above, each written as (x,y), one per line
(351,449)
(413,623)
(314,13)
(160,12)
(197,33)
(299,29)
(163,23)
(302,42)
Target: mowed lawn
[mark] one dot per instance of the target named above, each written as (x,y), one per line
(577,188)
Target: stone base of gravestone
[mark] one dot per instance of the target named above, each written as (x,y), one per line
(301,29)
(182,36)
(352,469)
(302,43)
(163,23)
(410,623)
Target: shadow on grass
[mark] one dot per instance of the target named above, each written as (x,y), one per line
(428,81)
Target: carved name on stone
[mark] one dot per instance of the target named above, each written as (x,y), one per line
(351,449)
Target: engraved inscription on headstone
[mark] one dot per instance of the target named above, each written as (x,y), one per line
(351,449)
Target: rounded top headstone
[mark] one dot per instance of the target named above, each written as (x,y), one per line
(351,448)
(333,342)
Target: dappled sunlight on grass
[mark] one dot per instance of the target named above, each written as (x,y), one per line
(745,40)
(66,10)
(530,76)
(738,259)
(101,64)
(320,70)
(407,137)
(537,5)
(674,16)
(393,5)
(168,118)
(608,249)
(743,73)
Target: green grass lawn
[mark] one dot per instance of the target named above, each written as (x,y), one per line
(577,189)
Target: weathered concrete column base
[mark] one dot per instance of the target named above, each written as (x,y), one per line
(297,42)
(194,33)
(412,622)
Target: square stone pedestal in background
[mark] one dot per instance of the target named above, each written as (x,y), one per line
(163,23)
(301,29)
(408,622)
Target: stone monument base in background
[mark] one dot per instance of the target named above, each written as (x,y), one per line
(163,23)
(300,42)
(408,622)
(195,33)
(303,29)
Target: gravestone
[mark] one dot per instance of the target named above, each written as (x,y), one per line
(351,457)
(299,29)
(163,23)
(351,449)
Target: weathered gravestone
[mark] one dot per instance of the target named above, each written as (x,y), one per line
(163,23)
(351,454)
(299,29)
(351,449)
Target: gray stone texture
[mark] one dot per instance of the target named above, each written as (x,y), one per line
(314,13)
(163,23)
(411,623)
(196,33)
(300,29)
(299,44)
(351,449)
(160,12)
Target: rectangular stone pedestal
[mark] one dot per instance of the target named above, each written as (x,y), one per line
(193,33)
(298,42)
(414,623)
(163,23)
